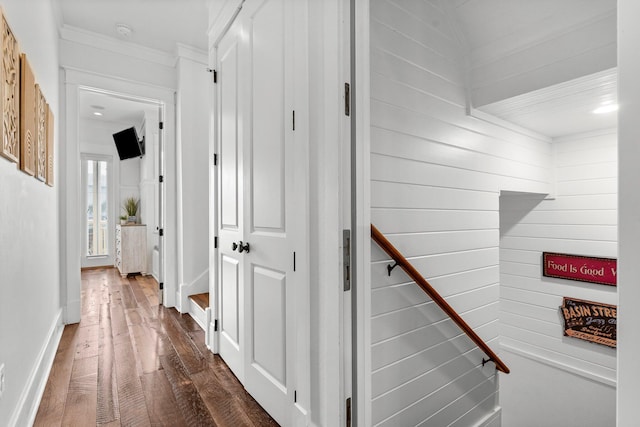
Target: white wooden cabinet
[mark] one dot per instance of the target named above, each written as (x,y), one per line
(131,248)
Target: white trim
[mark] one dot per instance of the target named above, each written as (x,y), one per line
(188,289)
(75,80)
(590,134)
(27,408)
(99,41)
(495,415)
(611,382)
(490,118)
(362,203)
(221,19)
(191,53)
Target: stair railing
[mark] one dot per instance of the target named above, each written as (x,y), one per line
(408,268)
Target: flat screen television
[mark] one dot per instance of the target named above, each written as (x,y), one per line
(128,144)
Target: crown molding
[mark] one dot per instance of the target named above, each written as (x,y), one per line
(192,53)
(602,81)
(100,41)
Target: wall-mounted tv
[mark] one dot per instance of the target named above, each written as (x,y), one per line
(127,144)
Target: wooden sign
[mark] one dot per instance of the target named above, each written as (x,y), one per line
(41,135)
(50,170)
(590,321)
(27,117)
(580,268)
(10,94)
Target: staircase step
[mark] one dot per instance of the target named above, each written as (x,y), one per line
(201,299)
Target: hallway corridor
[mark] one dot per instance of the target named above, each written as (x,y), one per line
(132,362)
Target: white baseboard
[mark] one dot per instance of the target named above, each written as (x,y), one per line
(493,419)
(27,408)
(197,286)
(72,312)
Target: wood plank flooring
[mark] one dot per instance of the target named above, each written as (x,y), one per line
(133,362)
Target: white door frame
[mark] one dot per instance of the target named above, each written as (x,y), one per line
(329,205)
(70,177)
(361,197)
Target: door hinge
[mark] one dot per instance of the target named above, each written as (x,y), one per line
(294,261)
(347,99)
(161,178)
(161,232)
(295,396)
(161,285)
(348,412)
(215,160)
(215,325)
(215,242)
(346,258)
(161,125)
(294,119)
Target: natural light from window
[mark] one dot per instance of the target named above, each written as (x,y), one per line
(97,208)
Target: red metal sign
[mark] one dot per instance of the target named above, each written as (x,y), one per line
(581,268)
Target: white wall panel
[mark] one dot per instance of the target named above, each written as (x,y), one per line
(436,174)
(581,220)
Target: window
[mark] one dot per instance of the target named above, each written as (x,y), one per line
(97,208)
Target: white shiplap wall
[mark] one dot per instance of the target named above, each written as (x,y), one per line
(436,174)
(582,220)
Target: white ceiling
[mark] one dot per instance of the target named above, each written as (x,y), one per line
(113,108)
(158,24)
(523,39)
(563,109)
(488,29)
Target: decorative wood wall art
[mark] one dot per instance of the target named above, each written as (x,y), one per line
(590,321)
(27,117)
(10,94)
(41,135)
(49,147)
(580,268)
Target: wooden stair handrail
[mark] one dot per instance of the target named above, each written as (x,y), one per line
(408,268)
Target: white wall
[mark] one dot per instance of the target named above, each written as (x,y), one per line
(628,410)
(29,237)
(435,180)
(573,379)
(193,106)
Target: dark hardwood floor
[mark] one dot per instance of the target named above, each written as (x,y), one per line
(131,362)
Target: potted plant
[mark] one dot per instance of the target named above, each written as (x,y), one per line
(123,219)
(131,205)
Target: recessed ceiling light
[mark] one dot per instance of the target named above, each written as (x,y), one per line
(608,108)
(97,113)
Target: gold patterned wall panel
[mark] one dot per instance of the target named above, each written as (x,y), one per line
(27,117)
(10,94)
(41,135)
(49,146)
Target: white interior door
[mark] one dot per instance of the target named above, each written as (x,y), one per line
(269,280)
(262,213)
(230,190)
